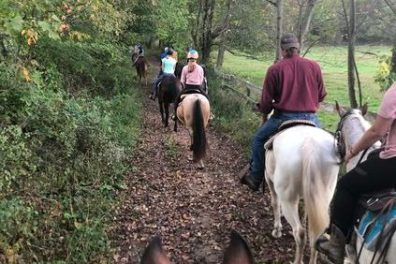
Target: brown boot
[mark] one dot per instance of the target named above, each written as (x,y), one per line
(333,247)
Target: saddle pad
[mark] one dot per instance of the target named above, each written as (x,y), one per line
(285,125)
(371,225)
(291,123)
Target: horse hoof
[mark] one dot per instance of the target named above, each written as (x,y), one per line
(199,167)
(276,233)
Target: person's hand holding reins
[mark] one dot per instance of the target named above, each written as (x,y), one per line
(350,154)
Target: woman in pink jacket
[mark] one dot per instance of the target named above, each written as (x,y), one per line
(192,75)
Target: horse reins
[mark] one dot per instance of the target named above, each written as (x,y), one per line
(340,141)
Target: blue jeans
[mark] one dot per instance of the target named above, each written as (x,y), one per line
(268,129)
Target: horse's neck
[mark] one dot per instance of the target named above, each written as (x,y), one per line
(353,131)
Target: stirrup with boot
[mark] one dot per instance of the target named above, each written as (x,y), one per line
(333,247)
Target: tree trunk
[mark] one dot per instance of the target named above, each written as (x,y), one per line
(222,47)
(305,21)
(220,56)
(206,39)
(393,60)
(279,28)
(351,55)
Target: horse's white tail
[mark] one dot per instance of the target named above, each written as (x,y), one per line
(316,198)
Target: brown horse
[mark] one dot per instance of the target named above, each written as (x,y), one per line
(193,112)
(238,252)
(141,67)
(169,88)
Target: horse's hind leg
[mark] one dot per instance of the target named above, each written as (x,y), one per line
(269,176)
(161,109)
(290,211)
(166,105)
(277,231)
(175,126)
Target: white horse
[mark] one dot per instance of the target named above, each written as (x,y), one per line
(303,164)
(352,126)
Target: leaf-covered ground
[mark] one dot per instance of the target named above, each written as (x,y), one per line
(192,210)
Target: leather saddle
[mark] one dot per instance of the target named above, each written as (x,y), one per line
(378,200)
(285,125)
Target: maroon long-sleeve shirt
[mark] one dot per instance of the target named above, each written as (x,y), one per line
(293,85)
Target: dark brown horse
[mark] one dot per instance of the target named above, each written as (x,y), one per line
(141,67)
(169,88)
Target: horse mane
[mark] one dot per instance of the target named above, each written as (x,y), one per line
(354,127)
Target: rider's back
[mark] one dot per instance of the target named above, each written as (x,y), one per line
(168,65)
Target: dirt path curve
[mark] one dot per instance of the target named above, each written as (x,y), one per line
(193,211)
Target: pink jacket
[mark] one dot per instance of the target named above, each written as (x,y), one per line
(195,77)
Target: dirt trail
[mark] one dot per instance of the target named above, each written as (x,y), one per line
(192,210)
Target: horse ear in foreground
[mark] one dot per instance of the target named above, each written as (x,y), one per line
(238,252)
(154,254)
(193,112)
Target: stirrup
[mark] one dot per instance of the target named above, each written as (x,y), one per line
(173,117)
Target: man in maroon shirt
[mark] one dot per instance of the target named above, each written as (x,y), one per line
(293,89)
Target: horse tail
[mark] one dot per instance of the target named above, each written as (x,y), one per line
(145,65)
(199,134)
(314,189)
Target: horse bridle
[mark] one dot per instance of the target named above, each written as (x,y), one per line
(339,137)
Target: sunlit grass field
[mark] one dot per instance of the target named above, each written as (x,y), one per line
(333,61)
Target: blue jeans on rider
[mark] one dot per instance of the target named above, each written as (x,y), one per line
(268,129)
(157,82)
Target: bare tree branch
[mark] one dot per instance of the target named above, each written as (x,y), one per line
(313,43)
(391,6)
(272,3)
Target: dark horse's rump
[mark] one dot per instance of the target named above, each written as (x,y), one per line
(169,89)
(141,67)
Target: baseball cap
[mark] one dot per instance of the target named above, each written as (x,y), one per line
(289,40)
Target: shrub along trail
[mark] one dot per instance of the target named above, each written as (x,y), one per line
(192,210)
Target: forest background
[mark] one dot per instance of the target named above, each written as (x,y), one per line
(70,108)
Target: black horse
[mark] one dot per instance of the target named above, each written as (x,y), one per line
(169,89)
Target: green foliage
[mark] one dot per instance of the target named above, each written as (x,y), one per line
(172,23)
(233,115)
(385,76)
(250,27)
(69,119)
(15,158)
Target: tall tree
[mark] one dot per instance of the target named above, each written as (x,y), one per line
(279,28)
(351,25)
(306,8)
(222,38)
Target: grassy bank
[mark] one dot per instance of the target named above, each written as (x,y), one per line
(333,61)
